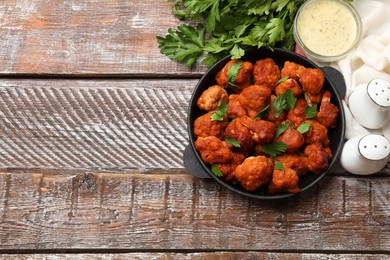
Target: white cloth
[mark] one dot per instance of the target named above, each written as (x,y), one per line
(370,60)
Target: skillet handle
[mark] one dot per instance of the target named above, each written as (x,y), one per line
(337,79)
(192,165)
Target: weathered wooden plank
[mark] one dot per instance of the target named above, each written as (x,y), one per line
(86,37)
(198,256)
(93,124)
(179,212)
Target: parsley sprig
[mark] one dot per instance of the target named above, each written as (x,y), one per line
(229,26)
(284,101)
(220,113)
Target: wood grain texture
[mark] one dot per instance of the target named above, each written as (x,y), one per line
(199,256)
(93,124)
(109,125)
(144,212)
(86,37)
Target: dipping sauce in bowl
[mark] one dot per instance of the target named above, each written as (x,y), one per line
(327,30)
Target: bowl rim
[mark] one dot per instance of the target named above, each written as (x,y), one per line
(218,66)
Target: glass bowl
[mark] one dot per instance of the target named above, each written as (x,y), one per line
(327,30)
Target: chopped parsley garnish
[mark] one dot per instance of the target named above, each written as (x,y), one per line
(281,129)
(304,127)
(217,172)
(274,149)
(263,113)
(284,101)
(232,73)
(220,113)
(279,166)
(233,141)
(281,80)
(311,111)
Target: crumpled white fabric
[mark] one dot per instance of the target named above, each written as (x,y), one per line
(370,59)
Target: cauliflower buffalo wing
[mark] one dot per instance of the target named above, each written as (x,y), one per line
(212,97)
(317,157)
(235,109)
(213,150)
(293,139)
(254,172)
(254,99)
(328,113)
(284,181)
(291,84)
(292,70)
(242,78)
(266,72)
(228,168)
(297,115)
(317,134)
(262,131)
(312,81)
(241,133)
(204,126)
(297,162)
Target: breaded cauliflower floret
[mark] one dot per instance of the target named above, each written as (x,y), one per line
(312,80)
(241,133)
(254,172)
(228,168)
(294,161)
(297,115)
(213,150)
(293,139)
(318,157)
(262,131)
(317,134)
(254,99)
(212,97)
(292,70)
(328,113)
(266,72)
(203,126)
(284,181)
(235,109)
(242,78)
(291,84)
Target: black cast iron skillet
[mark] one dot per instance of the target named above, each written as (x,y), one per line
(334,82)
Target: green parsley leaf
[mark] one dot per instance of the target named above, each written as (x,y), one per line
(311,111)
(284,101)
(279,166)
(279,104)
(276,31)
(290,99)
(237,52)
(233,72)
(281,129)
(219,114)
(281,80)
(263,113)
(217,172)
(233,141)
(235,25)
(185,44)
(304,127)
(274,149)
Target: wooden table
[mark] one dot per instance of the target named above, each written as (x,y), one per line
(92,132)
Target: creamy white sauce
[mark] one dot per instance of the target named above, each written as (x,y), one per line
(327,27)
